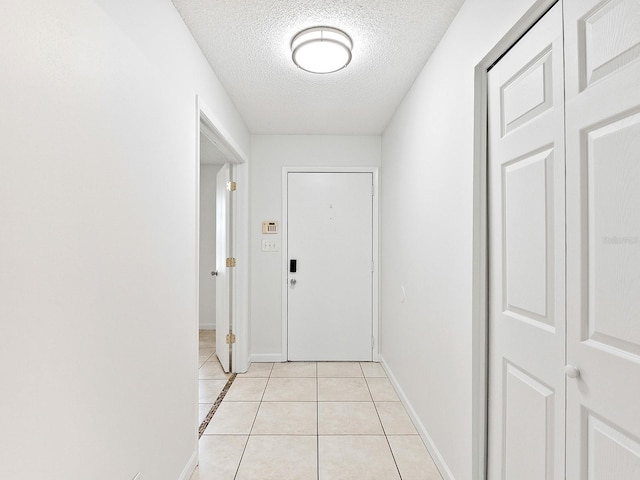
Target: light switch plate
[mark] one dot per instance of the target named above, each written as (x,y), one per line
(270,246)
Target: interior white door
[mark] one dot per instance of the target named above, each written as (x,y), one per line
(603,238)
(526,257)
(223,251)
(330,236)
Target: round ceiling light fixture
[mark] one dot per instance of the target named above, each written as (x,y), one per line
(321,49)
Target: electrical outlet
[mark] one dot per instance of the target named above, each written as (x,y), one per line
(270,246)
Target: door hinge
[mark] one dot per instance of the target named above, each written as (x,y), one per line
(373,342)
(373,190)
(373,266)
(231,186)
(231,262)
(231,338)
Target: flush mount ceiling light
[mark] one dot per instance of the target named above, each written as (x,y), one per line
(321,49)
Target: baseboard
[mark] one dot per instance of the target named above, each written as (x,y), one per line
(207,326)
(426,438)
(265,358)
(190,467)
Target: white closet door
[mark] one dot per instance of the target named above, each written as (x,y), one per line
(603,238)
(526,257)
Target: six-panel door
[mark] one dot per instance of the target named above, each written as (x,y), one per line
(603,238)
(526,257)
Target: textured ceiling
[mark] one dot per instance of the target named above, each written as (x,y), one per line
(247,43)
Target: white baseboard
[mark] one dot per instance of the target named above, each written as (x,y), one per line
(189,467)
(265,358)
(426,438)
(207,326)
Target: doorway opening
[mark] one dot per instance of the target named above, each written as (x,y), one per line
(216,246)
(220,225)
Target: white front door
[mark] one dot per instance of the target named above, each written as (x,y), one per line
(603,239)
(223,251)
(527,257)
(330,287)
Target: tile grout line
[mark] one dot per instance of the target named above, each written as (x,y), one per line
(386,437)
(253,423)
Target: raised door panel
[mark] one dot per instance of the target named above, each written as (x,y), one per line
(612,454)
(609,39)
(528,232)
(528,93)
(613,165)
(529,433)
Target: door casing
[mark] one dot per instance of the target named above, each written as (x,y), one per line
(376,271)
(215,131)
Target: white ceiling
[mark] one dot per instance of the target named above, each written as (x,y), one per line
(247,43)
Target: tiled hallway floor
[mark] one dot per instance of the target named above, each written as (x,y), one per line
(324,420)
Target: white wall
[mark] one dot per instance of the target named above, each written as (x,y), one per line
(269,153)
(208,245)
(427,232)
(98,324)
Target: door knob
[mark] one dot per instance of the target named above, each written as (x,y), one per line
(214,274)
(571,371)
(292,281)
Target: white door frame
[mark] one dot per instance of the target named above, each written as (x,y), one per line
(480,314)
(376,258)
(215,131)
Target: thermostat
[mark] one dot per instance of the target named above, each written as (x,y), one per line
(269,227)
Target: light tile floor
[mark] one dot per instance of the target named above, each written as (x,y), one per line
(316,421)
